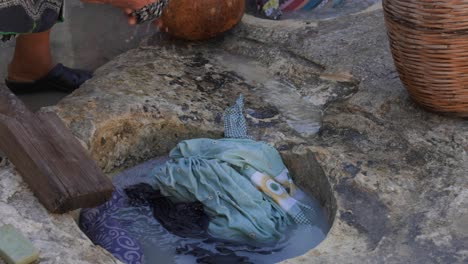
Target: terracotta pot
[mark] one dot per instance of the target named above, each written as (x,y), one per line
(201,19)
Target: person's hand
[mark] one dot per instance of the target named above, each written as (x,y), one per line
(128,6)
(159,24)
(128,12)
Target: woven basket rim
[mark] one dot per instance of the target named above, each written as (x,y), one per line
(425,18)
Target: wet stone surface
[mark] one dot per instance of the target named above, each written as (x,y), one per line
(398,175)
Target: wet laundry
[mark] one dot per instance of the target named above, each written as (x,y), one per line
(182,219)
(109,226)
(243,184)
(224,252)
(235,125)
(104,227)
(232,190)
(207,257)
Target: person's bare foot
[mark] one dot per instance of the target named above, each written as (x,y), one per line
(32,70)
(32,59)
(19,73)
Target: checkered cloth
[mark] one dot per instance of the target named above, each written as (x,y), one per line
(235,125)
(150,12)
(307,215)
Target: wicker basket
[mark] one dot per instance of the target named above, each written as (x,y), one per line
(429,43)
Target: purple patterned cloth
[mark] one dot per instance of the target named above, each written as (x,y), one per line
(109,233)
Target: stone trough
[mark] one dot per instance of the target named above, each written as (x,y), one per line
(144,102)
(392,177)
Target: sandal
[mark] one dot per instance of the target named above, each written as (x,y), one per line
(60,78)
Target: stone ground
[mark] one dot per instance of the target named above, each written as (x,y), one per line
(398,174)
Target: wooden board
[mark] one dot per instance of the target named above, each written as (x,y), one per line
(51,160)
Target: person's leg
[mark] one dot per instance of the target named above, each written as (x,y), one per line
(32,70)
(32,59)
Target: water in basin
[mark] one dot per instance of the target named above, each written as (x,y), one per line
(160,246)
(301,115)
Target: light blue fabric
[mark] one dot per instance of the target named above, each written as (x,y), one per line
(216,173)
(243,184)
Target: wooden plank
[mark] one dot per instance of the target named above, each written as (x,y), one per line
(51,160)
(99,187)
(21,152)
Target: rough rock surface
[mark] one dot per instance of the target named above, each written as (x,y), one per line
(57,237)
(398,174)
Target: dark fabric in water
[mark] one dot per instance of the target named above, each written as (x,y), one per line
(186,220)
(222,252)
(225,259)
(207,257)
(182,219)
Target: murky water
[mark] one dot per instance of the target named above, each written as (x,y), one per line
(160,246)
(301,115)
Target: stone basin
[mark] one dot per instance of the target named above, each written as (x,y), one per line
(393,177)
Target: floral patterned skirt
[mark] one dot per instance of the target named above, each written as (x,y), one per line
(28,16)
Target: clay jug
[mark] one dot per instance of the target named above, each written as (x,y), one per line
(201,19)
